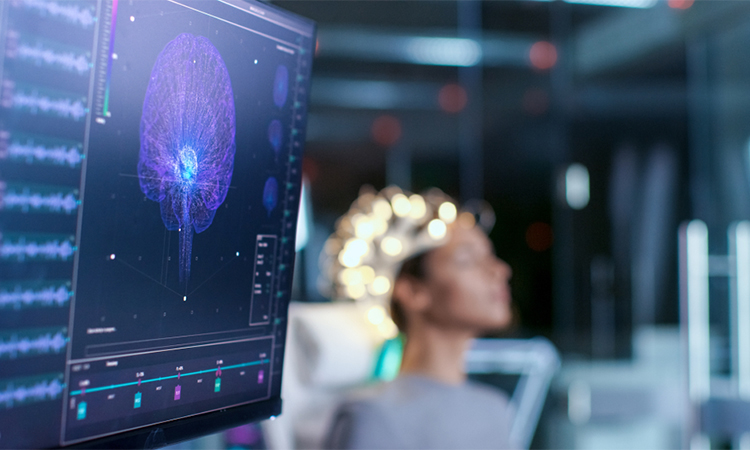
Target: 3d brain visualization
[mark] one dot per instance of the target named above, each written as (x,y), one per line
(187,136)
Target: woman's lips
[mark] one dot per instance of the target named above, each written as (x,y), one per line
(502,294)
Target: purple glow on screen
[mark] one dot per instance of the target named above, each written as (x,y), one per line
(270,194)
(281,86)
(187,138)
(274,135)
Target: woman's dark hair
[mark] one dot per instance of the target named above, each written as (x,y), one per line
(411,268)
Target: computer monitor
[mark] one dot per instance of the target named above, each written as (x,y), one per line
(150,172)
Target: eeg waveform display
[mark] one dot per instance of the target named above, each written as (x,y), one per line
(35,100)
(40,150)
(25,343)
(18,392)
(48,247)
(187,138)
(18,296)
(44,199)
(75,13)
(49,54)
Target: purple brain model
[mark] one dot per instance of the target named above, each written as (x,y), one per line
(187,138)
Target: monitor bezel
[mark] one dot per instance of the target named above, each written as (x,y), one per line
(179,430)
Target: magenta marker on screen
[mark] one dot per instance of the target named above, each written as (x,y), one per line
(260,377)
(177,392)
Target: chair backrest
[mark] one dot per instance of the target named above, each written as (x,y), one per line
(534,361)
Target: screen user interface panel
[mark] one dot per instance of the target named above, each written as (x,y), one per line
(150,165)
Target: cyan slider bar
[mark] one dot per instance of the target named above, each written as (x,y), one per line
(116,386)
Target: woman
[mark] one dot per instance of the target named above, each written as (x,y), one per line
(441,300)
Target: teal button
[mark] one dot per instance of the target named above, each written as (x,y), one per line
(81,411)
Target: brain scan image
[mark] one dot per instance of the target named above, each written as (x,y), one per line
(187,137)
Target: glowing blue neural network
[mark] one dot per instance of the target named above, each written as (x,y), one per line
(187,138)
(270,194)
(281,86)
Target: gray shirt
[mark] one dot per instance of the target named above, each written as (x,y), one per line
(415,412)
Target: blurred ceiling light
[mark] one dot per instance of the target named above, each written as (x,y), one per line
(441,51)
(370,93)
(437,229)
(431,47)
(620,3)
(577,186)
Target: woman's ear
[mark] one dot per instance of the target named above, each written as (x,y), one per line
(411,294)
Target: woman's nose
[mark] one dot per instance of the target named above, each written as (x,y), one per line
(501,269)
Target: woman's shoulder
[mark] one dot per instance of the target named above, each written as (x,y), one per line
(490,393)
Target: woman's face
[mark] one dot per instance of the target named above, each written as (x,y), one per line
(468,283)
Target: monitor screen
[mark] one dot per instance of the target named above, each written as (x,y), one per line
(150,172)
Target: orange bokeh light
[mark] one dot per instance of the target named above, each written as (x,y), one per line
(539,236)
(543,55)
(452,98)
(680,4)
(386,130)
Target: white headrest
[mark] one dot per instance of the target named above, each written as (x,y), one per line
(333,344)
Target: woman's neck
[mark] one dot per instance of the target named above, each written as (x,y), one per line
(436,353)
